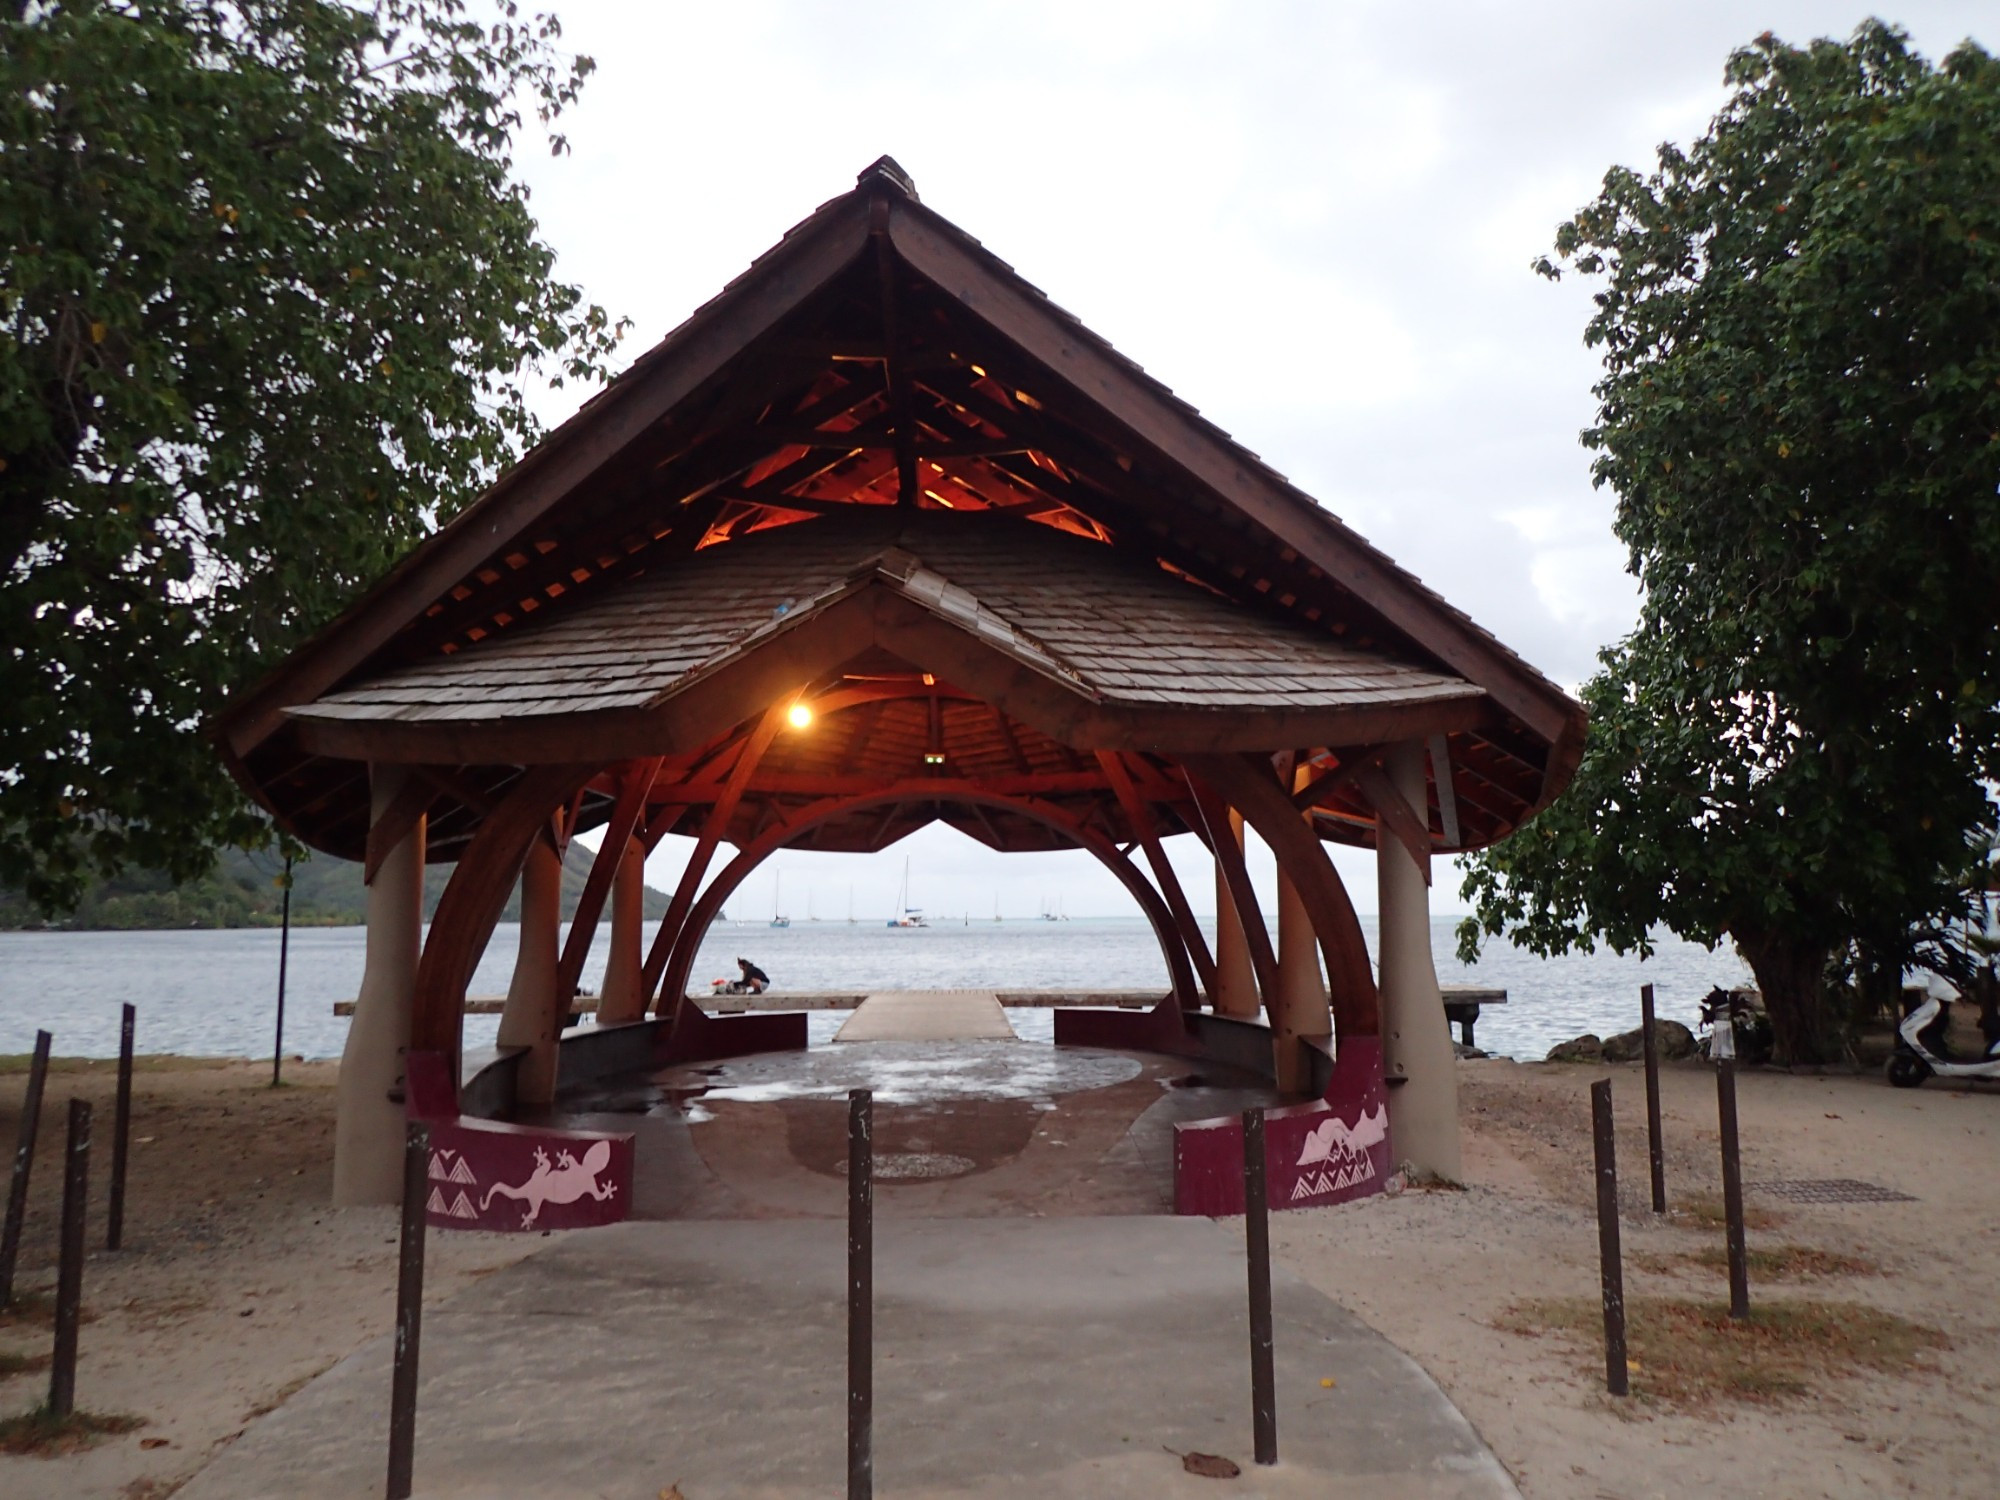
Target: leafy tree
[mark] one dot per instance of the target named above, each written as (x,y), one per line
(271,304)
(1800,414)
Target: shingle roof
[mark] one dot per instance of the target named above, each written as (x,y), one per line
(1080,613)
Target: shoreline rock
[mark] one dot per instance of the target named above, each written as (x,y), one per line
(1676,1043)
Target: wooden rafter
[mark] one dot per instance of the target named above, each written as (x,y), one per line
(753,750)
(1214,812)
(635,784)
(1141,818)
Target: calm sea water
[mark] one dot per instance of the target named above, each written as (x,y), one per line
(213,993)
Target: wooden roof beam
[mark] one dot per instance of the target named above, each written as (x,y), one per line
(1143,409)
(678,366)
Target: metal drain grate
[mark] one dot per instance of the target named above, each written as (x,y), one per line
(1830,1190)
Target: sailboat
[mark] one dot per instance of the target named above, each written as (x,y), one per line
(778,918)
(906,914)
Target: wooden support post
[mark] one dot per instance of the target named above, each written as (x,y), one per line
(1298,1007)
(121,1131)
(409,1314)
(368,1120)
(24,1165)
(536,1008)
(1257,1252)
(1416,1037)
(1611,1266)
(1235,991)
(622,998)
(284,963)
(1656,1149)
(1732,1171)
(69,1271)
(860,1294)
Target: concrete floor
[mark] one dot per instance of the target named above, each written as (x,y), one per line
(1024,1357)
(962,1129)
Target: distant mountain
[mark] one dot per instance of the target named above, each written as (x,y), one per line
(243,891)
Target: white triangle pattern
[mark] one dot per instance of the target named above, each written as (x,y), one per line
(1312,1184)
(436,1203)
(461,1208)
(460,1172)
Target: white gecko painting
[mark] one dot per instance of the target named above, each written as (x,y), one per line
(563,1181)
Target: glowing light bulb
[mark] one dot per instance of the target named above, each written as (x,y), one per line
(800,716)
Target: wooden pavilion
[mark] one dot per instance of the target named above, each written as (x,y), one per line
(881,535)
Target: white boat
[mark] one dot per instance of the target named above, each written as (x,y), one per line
(906,914)
(778,918)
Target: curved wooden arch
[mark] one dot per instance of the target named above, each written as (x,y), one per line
(674,981)
(476,895)
(1250,789)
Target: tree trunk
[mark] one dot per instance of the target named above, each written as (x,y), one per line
(1791,976)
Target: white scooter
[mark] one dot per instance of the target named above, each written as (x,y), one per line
(1921,1050)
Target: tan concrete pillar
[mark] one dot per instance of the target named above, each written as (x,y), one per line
(530,1019)
(1300,1006)
(621,1001)
(1416,1040)
(1235,978)
(368,1099)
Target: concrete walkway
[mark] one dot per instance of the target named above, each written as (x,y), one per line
(928,1016)
(1026,1357)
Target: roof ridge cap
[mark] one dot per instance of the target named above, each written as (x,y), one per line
(889,171)
(902,568)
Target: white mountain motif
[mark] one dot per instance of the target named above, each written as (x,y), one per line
(461,1207)
(460,1172)
(436,1203)
(565,1182)
(437,1171)
(1335,1138)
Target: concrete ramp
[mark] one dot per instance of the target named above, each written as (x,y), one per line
(928,1016)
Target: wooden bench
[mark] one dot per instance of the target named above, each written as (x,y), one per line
(1461,1005)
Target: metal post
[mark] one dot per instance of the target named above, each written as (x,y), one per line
(121,1131)
(1732,1187)
(1257,1245)
(1610,1261)
(860,1294)
(24,1162)
(1655,1146)
(69,1275)
(284,958)
(409,1314)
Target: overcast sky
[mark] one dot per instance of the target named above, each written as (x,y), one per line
(1312,220)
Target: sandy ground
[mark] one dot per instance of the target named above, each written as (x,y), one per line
(1433,1270)
(238,1285)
